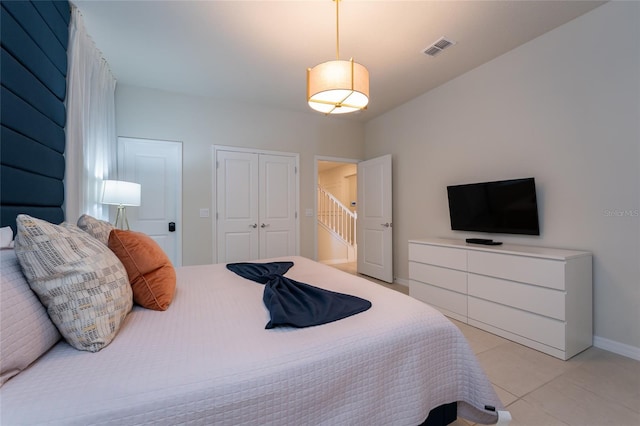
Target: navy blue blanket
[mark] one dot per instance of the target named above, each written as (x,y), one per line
(295,304)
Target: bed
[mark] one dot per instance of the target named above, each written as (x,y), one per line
(208,359)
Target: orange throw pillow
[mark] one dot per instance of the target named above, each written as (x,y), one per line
(150,271)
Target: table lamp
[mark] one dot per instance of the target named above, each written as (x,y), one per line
(121,194)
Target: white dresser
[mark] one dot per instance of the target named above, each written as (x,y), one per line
(539,297)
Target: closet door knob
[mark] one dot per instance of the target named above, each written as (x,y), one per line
(264,225)
(254,226)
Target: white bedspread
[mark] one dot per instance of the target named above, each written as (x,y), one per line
(209,360)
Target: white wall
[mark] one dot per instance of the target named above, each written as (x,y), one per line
(202,122)
(564,108)
(331,249)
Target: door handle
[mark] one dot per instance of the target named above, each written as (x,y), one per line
(254,226)
(386,225)
(172,227)
(264,225)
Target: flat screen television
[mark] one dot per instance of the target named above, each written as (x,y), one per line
(503,207)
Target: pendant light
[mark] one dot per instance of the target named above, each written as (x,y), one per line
(338,87)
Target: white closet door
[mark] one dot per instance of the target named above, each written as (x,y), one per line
(277,206)
(237,206)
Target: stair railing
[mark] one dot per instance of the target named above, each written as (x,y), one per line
(336,216)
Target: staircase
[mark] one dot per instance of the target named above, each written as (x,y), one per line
(338,221)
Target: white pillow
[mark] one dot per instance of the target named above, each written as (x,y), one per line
(6,237)
(83,285)
(26,331)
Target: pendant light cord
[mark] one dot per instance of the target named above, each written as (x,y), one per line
(337,29)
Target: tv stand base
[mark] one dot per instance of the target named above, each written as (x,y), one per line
(483,241)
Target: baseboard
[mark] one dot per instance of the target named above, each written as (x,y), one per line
(617,347)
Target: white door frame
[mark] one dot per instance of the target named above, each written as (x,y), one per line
(214,188)
(317,158)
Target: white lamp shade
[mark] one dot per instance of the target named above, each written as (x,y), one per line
(119,192)
(338,87)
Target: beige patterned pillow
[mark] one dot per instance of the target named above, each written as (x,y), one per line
(98,229)
(79,280)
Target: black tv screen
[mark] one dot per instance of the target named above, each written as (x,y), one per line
(504,207)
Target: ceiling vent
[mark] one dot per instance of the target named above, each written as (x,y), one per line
(437,47)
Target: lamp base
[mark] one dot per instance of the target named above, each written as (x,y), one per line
(121,218)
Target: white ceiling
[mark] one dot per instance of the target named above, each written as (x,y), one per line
(258,51)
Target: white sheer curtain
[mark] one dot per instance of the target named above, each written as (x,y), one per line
(91,124)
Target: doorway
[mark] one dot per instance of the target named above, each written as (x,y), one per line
(372,206)
(336,211)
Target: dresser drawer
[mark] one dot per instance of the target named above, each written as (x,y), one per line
(450,279)
(541,329)
(440,298)
(439,256)
(540,300)
(531,270)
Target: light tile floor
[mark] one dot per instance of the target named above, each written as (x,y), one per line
(594,388)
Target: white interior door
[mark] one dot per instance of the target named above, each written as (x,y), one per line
(237,206)
(277,206)
(157,167)
(375,222)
